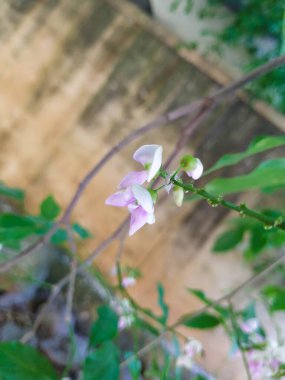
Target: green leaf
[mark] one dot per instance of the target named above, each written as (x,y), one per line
(258,239)
(102,364)
(81,231)
(249,311)
(50,209)
(258,145)
(106,326)
(59,237)
(134,365)
(202,321)
(223,311)
(162,303)
(188,6)
(269,173)
(15,227)
(275,296)
(228,240)
(22,362)
(13,220)
(175,5)
(11,192)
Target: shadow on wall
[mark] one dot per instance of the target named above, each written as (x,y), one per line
(143,4)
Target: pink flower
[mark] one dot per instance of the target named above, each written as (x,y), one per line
(192,349)
(249,326)
(139,203)
(125,321)
(128,281)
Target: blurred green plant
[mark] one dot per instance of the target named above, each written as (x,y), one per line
(258,27)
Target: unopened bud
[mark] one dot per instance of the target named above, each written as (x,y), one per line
(192,166)
(178,195)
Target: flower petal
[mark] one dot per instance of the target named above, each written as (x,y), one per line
(120,198)
(145,154)
(156,163)
(139,218)
(178,195)
(132,178)
(197,171)
(143,198)
(150,218)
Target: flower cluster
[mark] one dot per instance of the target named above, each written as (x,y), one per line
(125,311)
(140,200)
(263,363)
(191,350)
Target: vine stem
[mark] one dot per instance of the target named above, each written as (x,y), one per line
(239,343)
(242,209)
(187,109)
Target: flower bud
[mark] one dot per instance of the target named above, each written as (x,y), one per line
(192,166)
(178,195)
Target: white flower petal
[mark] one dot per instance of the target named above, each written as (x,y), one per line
(143,198)
(155,164)
(197,171)
(151,219)
(145,154)
(178,196)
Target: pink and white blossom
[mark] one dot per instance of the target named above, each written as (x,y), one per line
(191,350)
(250,326)
(139,203)
(128,281)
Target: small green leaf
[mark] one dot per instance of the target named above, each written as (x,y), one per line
(134,365)
(102,364)
(258,145)
(162,303)
(50,209)
(258,239)
(59,237)
(202,321)
(175,5)
(22,362)
(188,6)
(249,311)
(269,173)
(228,240)
(275,296)
(223,311)
(11,192)
(81,231)
(106,326)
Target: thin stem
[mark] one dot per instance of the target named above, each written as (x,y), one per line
(242,209)
(72,275)
(239,343)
